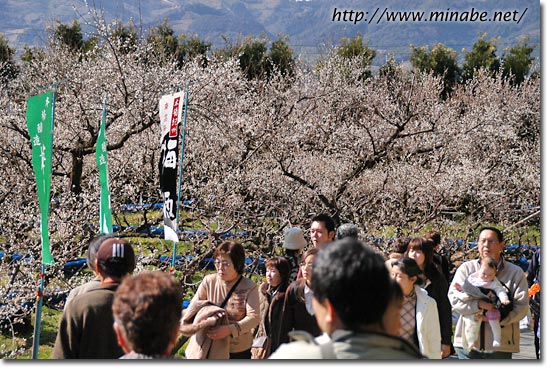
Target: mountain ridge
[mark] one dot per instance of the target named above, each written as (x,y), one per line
(311,25)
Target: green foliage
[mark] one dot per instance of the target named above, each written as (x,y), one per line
(196,48)
(482,55)
(439,60)
(6,52)
(252,58)
(355,48)
(125,37)
(175,48)
(8,69)
(352,55)
(517,61)
(442,61)
(281,57)
(32,53)
(72,36)
(166,44)
(255,61)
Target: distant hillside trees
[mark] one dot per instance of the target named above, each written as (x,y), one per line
(8,68)
(72,37)
(357,48)
(518,61)
(441,61)
(256,60)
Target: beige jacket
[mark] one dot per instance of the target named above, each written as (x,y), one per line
(243,311)
(200,346)
(514,278)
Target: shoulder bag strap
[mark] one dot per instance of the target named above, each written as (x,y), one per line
(223,304)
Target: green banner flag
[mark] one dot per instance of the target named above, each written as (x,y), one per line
(40,124)
(105,214)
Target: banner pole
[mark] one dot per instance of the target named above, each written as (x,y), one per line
(181,172)
(38,314)
(40,292)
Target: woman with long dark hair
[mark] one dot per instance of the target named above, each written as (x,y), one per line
(298,313)
(419,314)
(422,251)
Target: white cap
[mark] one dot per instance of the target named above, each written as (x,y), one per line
(293,239)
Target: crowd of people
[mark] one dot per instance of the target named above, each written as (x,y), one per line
(335,298)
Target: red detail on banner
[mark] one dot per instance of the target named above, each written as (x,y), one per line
(174,117)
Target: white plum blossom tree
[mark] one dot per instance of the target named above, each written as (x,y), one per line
(261,154)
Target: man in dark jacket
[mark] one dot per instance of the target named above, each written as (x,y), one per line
(86,326)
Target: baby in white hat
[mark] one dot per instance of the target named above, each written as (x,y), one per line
(294,243)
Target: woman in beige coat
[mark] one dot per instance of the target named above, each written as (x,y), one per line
(241,308)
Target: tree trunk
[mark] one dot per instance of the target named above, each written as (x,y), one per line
(76,174)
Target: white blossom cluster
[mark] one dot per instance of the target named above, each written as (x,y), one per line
(263,154)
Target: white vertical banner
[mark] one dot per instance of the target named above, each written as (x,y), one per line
(170,114)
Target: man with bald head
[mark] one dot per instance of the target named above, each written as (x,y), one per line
(490,243)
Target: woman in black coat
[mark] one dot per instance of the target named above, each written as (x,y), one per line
(422,250)
(298,312)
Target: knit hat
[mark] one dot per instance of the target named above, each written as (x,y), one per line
(117,256)
(293,239)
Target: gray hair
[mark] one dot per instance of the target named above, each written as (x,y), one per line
(347,230)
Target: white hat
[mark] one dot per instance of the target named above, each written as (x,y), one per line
(293,239)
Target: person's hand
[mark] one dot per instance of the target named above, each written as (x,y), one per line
(485,305)
(211,321)
(445,351)
(219,332)
(507,302)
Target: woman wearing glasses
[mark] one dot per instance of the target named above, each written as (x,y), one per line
(298,311)
(224,310)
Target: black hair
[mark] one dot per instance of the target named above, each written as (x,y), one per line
(434,236)
(356,281)
(409,267)
(326,220)
(283,266)
(400,245)
(493,229)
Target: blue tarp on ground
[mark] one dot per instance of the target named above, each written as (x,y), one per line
(73,266)
(207,263)
(157,205)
